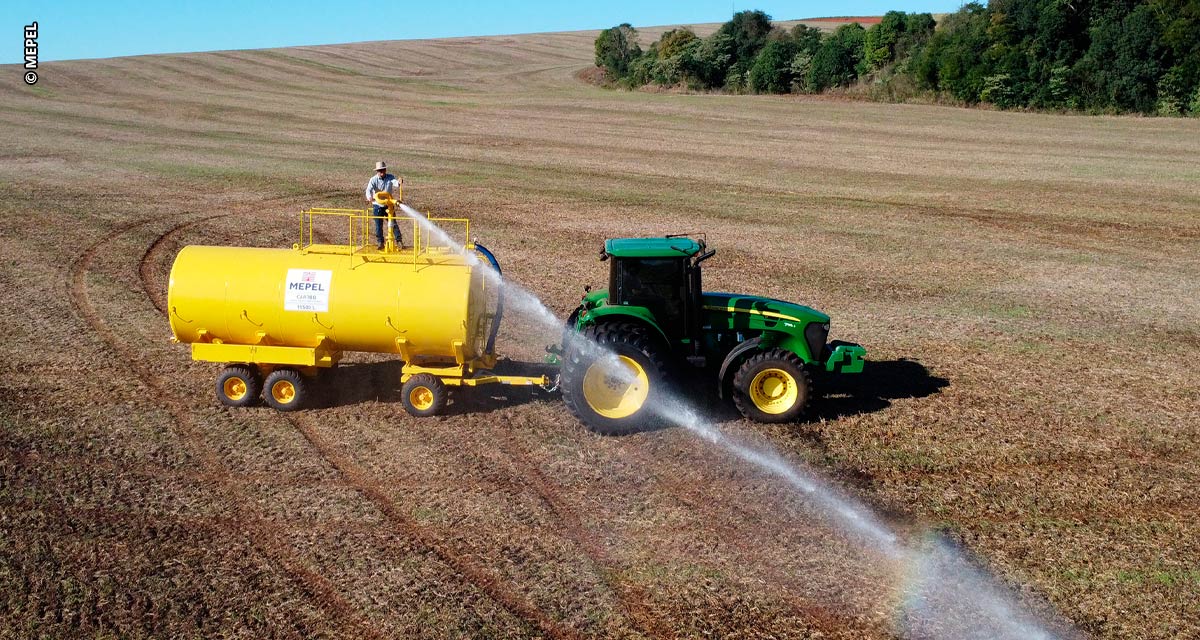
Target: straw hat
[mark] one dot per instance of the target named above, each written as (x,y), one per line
(381,165)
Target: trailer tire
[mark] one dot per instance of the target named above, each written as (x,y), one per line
(423,395)
(239,385)
(611,406)
(772,386)
(285,390)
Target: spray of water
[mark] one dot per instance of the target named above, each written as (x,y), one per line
(944,595)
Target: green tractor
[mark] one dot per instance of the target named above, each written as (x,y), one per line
(659,323)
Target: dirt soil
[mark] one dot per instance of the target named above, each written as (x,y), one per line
(1028,288)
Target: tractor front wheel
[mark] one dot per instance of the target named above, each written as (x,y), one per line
(613,377)
(285,390)
(772,386)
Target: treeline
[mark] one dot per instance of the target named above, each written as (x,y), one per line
(1092,55)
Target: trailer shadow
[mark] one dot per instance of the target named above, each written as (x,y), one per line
(363,382)
(358,383)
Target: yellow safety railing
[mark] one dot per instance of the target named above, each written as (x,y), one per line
(358,232)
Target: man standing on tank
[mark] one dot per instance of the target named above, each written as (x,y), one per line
(383,181)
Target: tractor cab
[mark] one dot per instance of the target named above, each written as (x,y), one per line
(661,275)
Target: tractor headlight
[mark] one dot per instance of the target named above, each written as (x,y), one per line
(815,335)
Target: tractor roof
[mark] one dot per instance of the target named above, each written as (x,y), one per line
(651,247)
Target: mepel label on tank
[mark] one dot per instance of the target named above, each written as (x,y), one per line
(307,290)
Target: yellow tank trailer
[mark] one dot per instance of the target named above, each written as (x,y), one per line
(278,316)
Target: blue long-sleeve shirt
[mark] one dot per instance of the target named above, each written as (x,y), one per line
(387,183)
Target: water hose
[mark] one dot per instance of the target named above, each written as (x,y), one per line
(491,343)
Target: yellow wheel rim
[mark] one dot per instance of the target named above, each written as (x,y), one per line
(234,388)
(421,398)
(283,391)
(774,391)
(616,389)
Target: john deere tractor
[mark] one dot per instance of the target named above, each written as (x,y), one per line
(654,324)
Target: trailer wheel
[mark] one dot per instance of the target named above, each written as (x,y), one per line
(238,385)
(285,390)
(423,395)
(772,386)
(614,395)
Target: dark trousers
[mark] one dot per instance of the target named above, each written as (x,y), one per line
(380,214)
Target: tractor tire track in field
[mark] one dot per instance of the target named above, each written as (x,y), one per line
(145,265)
(367,486)
(633,599)
(363,482)
(262,534)
(146,271)
(695,499)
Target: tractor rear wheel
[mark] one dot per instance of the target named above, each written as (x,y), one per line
(285,390)
(612,378)
(239,385)
(772,386)
(423,395)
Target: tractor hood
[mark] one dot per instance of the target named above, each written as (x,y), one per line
(767,308)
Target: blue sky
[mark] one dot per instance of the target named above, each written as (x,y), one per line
(70,29)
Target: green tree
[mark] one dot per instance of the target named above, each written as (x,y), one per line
(672,57)
(807,39)
(918,29)
(674,42)
(953,61)
(710,60)
(1031,38)
(749,31)
(1121,67)
(772,68)
(835,64)
(616,49)
(736,79)
(1180,21)
(880,41)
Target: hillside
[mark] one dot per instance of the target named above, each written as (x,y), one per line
(1027,287)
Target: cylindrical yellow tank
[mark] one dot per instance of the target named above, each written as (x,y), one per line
(289,297)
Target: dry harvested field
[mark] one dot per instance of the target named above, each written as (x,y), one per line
(1028,287)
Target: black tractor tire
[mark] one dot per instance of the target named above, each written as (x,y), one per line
(626,340)
(772,386)
(285,390)
(239,385)
(423,395)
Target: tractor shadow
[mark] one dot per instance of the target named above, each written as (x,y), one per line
(840,396)
(363,382)
(879,384)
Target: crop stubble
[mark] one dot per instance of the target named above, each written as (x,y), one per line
(1043,267)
